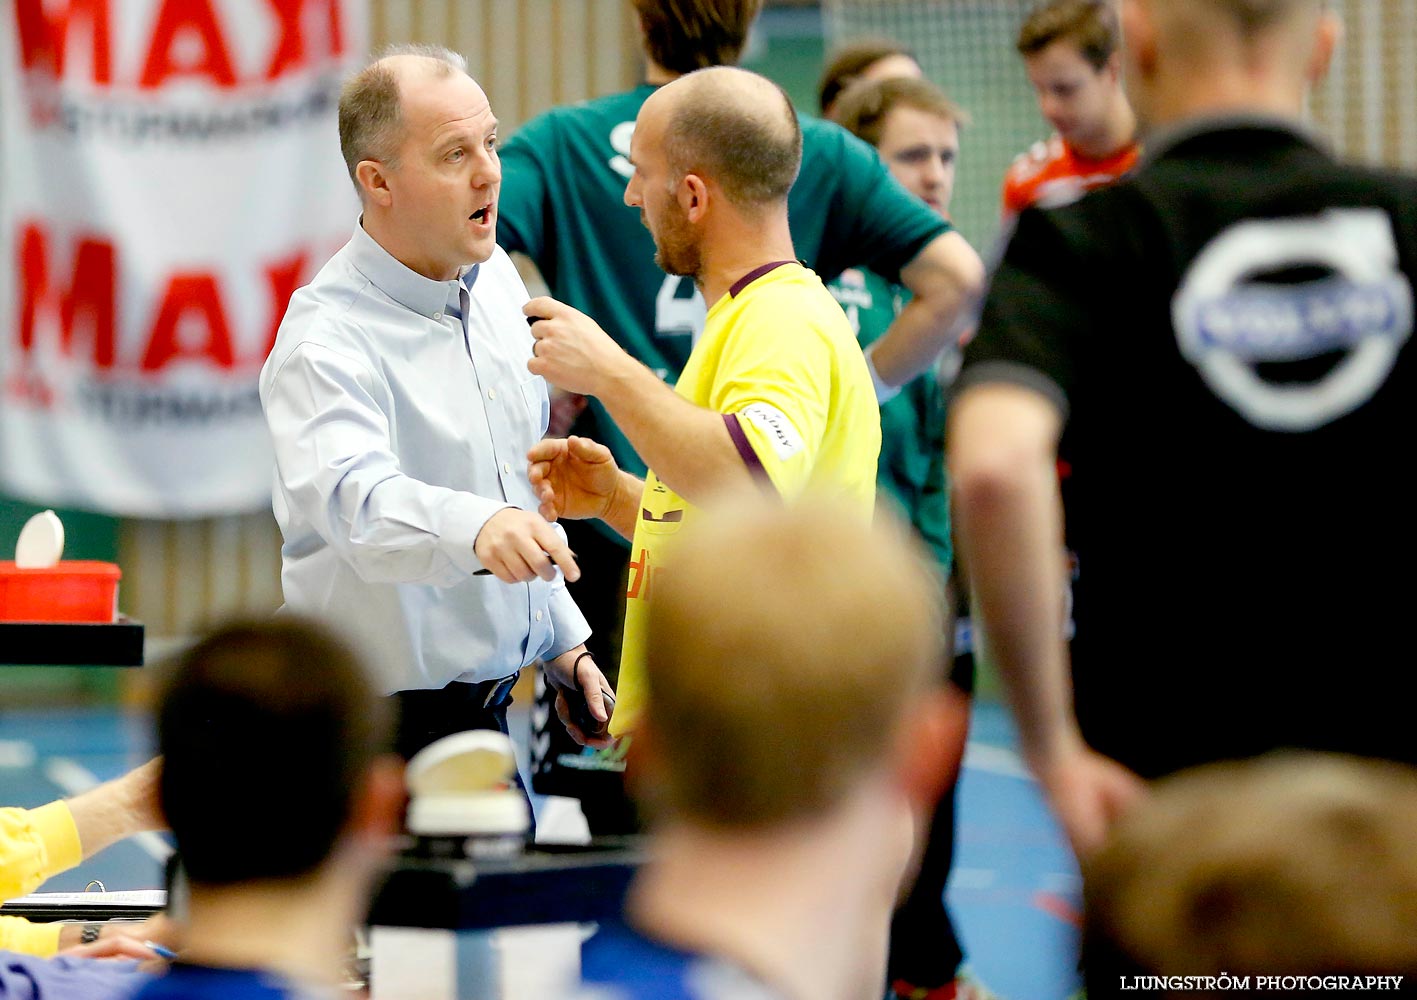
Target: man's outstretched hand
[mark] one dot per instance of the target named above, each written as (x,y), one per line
(573,477)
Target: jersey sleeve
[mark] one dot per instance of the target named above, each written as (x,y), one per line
(1035,314)
(775,395)
(874,222)
(521,206)
(1013,197)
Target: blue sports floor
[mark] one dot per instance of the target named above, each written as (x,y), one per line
(1014,892)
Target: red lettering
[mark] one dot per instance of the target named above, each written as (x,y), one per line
(90,294)
(290,50)
(189,19)
(195,296)
(44,38)
(640,572)
(282,279)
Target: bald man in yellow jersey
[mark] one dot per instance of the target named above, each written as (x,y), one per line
(776,389)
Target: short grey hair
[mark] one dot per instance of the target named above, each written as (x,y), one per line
(370,111)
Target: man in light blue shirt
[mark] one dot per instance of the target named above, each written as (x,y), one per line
(401,411)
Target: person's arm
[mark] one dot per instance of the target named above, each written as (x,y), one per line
(119,808)
(945,279)
(335,459)
(1008,523)
(1004,428)
(874,222)
(35,844)
(574,672)
(688,447)
(25,938)
(577,478)
(1003,467)
(38,843)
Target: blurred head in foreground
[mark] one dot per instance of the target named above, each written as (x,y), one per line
(279,791)
(796,724)
(1288,865)
(790,651)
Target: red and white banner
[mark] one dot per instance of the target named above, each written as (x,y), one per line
(169,174)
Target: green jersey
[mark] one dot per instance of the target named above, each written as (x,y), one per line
(911,470)
(562,204)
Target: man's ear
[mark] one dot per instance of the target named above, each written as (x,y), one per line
(1139,35)
(931,745)
(693,197)
(373,182)
(376,813)
(1327,37)
(1113,67)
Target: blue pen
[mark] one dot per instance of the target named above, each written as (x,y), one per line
(160,951)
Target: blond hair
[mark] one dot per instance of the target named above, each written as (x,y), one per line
(784,646)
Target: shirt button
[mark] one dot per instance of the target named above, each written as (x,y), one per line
(491,393)
(506,468)
(437,315)
(538,616)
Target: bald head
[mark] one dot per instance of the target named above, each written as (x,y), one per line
(1250,16)
(734,127)
(1186,58)
(371,119)
(1198,25)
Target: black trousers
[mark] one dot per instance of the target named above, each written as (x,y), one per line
(425,717)
(925,947)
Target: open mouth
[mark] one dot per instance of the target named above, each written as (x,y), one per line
(482,214)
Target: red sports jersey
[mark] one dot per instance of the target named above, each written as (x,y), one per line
(1052,173)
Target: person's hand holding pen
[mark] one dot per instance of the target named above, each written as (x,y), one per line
(517,546)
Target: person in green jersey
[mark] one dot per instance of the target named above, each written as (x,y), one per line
(915,127)
(564,174)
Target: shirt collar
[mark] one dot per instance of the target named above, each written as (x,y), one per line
(399,282)
(1163,140)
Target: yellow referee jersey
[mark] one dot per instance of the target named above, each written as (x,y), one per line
(778,359)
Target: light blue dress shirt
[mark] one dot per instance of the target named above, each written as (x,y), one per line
(401,411)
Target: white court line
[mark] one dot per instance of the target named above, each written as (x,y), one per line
(73,778)
(976,879)
(995,760)
(16,754)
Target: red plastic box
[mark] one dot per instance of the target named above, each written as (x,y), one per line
(74,591)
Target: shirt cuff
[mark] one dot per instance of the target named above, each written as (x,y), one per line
(19,935)
(568,626)
(463,519)
(884,392)
(54,826)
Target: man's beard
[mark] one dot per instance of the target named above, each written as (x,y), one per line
(674,248)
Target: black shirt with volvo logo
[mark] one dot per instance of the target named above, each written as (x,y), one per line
(1227,333)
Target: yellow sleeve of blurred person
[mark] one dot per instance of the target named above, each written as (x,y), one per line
(35,844)
(19,935)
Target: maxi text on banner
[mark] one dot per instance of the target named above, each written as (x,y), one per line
(169,174)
